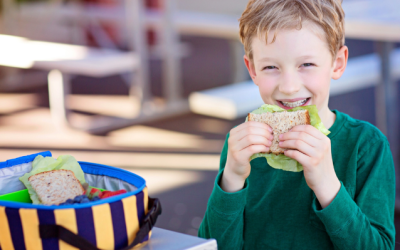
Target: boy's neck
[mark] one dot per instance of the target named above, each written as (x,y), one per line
(327,117)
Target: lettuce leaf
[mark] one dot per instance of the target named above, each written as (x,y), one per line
(42,164)
(281,161)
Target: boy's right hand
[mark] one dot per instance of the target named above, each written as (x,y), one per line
(244,141)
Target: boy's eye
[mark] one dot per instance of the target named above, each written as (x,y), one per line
(308,64)
(269,67)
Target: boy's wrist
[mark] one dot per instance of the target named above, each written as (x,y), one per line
(327,192)
(231,182)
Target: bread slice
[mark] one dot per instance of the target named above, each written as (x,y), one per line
(56,186)
(281,122)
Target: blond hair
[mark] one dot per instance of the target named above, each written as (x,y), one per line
(262,16)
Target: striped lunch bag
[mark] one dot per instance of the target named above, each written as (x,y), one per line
(118,222)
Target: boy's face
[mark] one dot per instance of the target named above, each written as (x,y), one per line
(296,69)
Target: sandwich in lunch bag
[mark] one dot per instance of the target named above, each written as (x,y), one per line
(118,222)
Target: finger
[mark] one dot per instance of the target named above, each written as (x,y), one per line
(250,124)
(253,149)
(298,156)
(252,140)
(309,130)
(299,145)
(252,130)
(303,136)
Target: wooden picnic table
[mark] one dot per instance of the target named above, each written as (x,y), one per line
(65,60)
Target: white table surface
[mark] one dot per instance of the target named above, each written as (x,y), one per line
(21,52)
(372,19)
(162,239)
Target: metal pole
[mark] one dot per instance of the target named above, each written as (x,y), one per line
(171,64)
(386,101)
(59,88)
(137,41)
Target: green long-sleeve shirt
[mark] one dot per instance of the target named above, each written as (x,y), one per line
(277,210)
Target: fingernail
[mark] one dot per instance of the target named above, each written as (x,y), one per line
(280,137)
(270,129)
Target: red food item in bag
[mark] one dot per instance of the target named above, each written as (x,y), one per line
(92,192)
(106,194)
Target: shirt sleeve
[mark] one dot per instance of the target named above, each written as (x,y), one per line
(367,222)
(224,217)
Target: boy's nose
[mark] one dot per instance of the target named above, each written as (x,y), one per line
(289,85)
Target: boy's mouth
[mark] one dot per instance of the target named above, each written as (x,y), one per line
(289,104)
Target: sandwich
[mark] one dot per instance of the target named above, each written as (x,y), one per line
(60,179)
(56,186)
(281,122)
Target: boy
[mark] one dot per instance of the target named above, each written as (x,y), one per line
(344,198)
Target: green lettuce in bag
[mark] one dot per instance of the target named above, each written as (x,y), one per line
(42,164)
(281,161)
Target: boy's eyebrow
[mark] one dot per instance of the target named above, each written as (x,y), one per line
(273,59)
(266,59)
(306,57)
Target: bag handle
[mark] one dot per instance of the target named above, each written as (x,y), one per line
(60,232)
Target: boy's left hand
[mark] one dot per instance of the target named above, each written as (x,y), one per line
(312,149)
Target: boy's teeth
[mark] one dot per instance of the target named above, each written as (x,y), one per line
(294,104)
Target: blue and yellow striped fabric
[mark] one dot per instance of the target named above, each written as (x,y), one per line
(108,226)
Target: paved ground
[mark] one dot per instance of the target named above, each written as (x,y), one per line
(178,156)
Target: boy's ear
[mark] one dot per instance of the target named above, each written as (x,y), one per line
(250,67)
(339,65)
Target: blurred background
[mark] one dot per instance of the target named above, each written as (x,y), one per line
(154,86)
